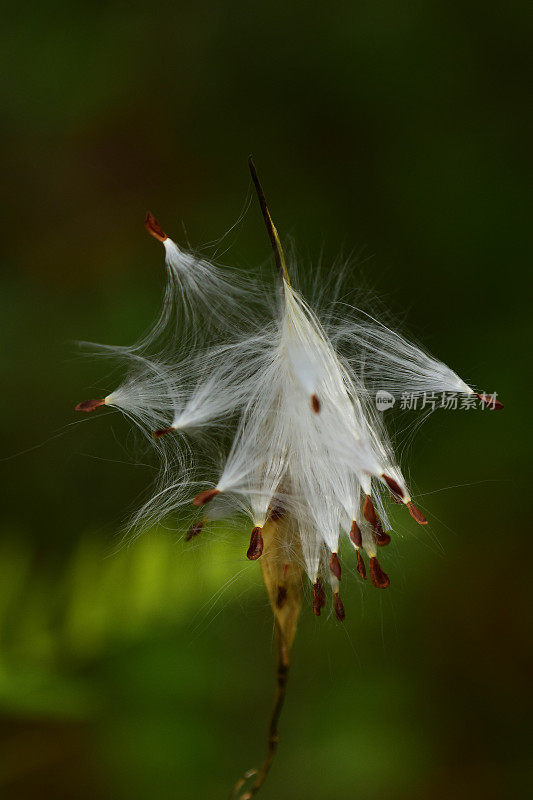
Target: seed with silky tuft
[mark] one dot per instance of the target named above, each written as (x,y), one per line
(205,497)
(490,401)
(255,549)
(335,565)
(369,511)
(90,405)
(338,606)
(379,578)
(370,515)
(381,538)
(162,432)
(154,228)
(361,569)
(355,534)
(319,598)
(416,514)
(393,485)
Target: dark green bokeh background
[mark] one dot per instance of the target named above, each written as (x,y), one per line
(397,130)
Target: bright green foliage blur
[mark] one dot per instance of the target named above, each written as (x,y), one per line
(395,131)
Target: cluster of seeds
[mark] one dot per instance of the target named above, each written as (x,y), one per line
(292,391)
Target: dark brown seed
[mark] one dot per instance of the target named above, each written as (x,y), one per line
(282,596)
(315,404)
(194,530)
(153,227)
(490,401)
(395,488)
(204,497)
(162,432)
(369,511)
(338,606)
(355,534)
(256,544)
(335,565)
(379,578)
(361,569)
(381,538)
(90,405)
(416,514)
(319,598)
(370,515)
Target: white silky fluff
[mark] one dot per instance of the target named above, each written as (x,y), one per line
(391,363)
(205,288)
(272,408)
(285,450)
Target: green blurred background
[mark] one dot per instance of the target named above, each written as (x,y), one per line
(395,130)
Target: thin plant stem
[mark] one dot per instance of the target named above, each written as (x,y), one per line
(282,675)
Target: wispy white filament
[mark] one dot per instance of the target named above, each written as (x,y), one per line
(260,406)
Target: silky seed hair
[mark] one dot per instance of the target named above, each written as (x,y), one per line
(262,404)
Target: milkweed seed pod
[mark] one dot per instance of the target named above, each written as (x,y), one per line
(283,395)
